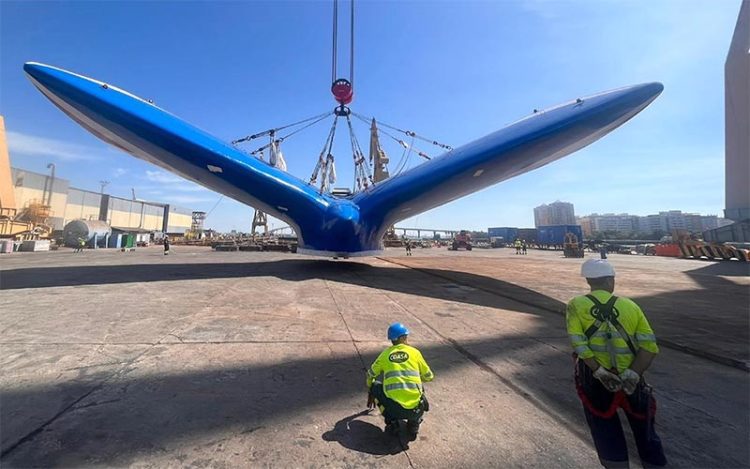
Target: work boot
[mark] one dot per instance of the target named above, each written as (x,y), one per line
(391,427)
(412,426)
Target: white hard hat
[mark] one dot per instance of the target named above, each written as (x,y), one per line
(597,268)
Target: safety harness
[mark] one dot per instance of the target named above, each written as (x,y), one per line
(641,399)
(606,312)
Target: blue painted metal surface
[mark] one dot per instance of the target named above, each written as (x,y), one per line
(505,232)
(326,224)
(555,234)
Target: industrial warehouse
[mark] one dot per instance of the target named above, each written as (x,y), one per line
(67,210)
(188,280)
(39,207)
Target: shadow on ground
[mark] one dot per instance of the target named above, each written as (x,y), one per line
(396,279)
(363,437)
(724,268)
(135,414)
(671,314)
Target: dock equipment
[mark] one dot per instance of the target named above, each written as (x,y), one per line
(462,240)
(572,247)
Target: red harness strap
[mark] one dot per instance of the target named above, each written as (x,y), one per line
(620,399)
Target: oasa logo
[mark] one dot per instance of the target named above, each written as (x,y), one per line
(398,357)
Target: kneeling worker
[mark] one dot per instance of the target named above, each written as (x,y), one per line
(614,344)
(399,394)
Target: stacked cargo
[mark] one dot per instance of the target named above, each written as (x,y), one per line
(35,245)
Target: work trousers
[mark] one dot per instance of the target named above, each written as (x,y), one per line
(391,409)
(609,440)
(607,432)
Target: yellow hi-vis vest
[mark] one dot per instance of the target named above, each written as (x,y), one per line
(606,345)
(403,369)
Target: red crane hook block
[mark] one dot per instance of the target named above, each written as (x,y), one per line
(342,91)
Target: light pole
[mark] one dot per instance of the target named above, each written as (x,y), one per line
(103,184)
(51,167)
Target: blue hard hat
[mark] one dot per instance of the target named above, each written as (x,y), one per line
(396,330)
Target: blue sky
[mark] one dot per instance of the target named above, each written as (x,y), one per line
(453,71)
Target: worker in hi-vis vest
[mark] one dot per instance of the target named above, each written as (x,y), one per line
(395,382)
(614,345)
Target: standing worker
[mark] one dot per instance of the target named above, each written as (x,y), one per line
(614,345)
(523,246)
(603,251)
(166,245)
(399,393)
(517,244)
(81,244)
(408,247)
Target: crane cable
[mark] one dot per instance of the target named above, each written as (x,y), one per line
(327,147)
(401,166)
(335,39)
(402,143)
(334,61)
(272,132)
(362,174)
(408,133)
(351,47)
(277,129)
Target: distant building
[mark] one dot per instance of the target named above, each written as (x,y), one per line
(652,224)
(622,222)
(556,213)
(693,222)
(586,227)
(737,120)
(68,204)
(663,222)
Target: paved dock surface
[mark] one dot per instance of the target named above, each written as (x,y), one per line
(211,359)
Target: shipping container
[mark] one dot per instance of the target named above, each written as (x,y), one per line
(528,234)
(508,234)
(555,235)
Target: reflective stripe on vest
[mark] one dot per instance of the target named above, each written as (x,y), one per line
(608,346)
(395,374)
(645,337)
(578,338)
(394,386)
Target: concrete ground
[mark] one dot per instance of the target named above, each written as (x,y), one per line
(214,359)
